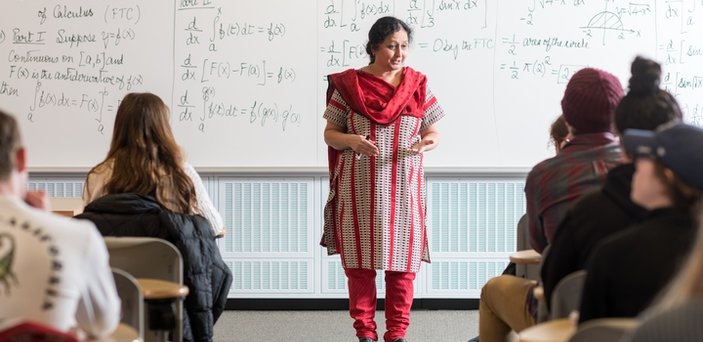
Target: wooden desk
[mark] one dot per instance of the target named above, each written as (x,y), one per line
(67,213)
(524,257)
(123,333)
(160,289)
(66,206)
(559,330)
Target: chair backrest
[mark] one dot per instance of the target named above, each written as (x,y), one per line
(132,300)
(681,324)
(523,240)
(145,257)
(604,330)
(566,296)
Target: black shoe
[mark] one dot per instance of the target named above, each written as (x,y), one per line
(475,339)
(365,339)
(400,340)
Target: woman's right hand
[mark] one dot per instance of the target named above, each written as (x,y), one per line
(337,137)
(363,145)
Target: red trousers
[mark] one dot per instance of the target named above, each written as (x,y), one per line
(362,302)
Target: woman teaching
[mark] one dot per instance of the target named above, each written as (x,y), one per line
(380,120)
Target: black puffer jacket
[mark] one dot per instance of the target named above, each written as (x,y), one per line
(204,271)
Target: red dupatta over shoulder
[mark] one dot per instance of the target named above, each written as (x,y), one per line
(377,99)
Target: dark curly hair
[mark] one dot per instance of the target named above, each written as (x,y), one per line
(381,29)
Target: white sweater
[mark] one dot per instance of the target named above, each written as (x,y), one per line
(54,270)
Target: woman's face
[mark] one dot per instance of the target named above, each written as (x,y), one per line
(648,189)
(390,54)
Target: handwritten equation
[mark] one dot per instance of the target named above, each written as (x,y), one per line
(261,67)
(209,36)
(69,58)
(215,69)
(257,112)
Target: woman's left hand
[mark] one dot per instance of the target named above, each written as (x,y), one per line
(420,146)
(429,139)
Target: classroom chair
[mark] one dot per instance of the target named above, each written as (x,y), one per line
(527,261)
(566,296)
(523,238)
(557,330)
(158,267)
(681,323)
(604,330)
(132,300)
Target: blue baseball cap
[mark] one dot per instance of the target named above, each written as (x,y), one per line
(677,146)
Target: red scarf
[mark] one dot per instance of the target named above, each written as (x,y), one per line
(378,100)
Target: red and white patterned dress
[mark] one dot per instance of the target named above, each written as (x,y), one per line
(375,212)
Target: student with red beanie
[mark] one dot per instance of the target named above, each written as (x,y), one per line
(554,185)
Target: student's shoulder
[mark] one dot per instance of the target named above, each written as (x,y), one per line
(189,170)
(188,166)
(546,167)
(103,169)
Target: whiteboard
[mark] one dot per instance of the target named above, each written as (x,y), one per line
(245,80)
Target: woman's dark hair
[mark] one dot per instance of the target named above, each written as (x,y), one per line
(381,29)
(558,131)
(646,106)
(146,159)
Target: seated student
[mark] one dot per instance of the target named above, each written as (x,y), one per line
(628,269)
(144,158)
(555,184)
(53,270)
(147,190)
(645,106)
(558,136)
(204,272)
(677,314)
(552,186)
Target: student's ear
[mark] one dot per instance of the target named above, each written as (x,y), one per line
(21,160)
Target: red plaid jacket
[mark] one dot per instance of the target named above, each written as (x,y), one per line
(555,184)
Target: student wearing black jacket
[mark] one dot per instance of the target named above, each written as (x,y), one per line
(207,276)
(594,218)
(629,269)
